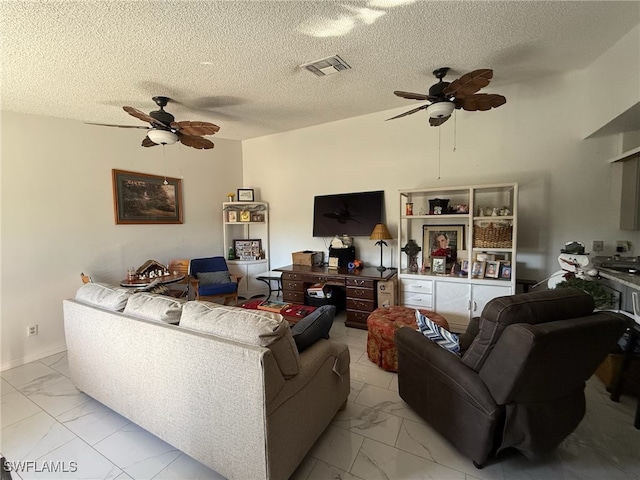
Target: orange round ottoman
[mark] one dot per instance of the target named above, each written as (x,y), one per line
(382,325)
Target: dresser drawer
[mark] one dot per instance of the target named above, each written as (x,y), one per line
(294,297)
(292,276)
(290,285)
(417,300)
(363,305)
(357,292)
(417,286)
(357,319)
(360,282)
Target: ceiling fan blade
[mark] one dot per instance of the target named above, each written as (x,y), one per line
(482,101)
(196,142)
(142,116)
(195,128)
(146,142)
(469,83)
(437,121)
(119,126)
(411,96)
(409,112)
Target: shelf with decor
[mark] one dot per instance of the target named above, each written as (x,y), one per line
(246,239)
(458,248)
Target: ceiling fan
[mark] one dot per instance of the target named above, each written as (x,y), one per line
(164,130)
(459,94)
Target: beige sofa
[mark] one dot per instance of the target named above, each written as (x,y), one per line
(226,386)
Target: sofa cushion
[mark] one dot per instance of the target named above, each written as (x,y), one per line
(313,327)
(151,306)
(434,332)
(103,295)
(213,278)
(253,327)
(531,308)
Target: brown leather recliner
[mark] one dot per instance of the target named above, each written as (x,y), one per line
(520,383)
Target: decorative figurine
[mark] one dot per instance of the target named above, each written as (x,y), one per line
(412,249)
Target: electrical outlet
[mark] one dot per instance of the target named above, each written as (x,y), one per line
(598,246)
(32,330)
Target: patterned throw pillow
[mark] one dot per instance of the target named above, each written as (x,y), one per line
(213,278)
(435,333)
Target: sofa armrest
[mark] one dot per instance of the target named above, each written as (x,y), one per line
(424,359)
(235,278)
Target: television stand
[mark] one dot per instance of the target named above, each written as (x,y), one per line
(360,286)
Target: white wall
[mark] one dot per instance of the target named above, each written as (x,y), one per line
(612,82)
(57,217)
(566,190)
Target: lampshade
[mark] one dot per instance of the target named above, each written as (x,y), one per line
(162,137)
(380,232)
(440,109)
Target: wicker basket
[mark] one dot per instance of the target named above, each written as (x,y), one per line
(493,236)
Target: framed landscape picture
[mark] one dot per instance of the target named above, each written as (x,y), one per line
(140,198)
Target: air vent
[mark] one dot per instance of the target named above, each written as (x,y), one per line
(327,66)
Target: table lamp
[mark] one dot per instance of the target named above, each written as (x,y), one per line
(381,233)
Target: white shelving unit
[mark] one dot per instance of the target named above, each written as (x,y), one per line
(247,221)
(459,296)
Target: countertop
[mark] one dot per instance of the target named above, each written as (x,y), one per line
(627,279)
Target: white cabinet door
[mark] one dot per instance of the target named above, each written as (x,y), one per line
(249,287)
(452,302)
(482,294)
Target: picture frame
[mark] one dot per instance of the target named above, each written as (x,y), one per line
(232,216)
(477,270)
(245,195)
(464,267)
(245,216)
(247,249)
(505,272)
(432,241)
(492,269)
(438,265)
(142,198)
(257,217)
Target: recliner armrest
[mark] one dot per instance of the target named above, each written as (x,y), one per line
(431,360)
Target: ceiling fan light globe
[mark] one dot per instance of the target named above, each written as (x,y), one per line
(162,137)
(440,109)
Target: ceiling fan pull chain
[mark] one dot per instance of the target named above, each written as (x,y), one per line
(455,129)
(164,154)
(439,149)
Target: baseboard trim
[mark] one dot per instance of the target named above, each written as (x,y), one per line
(32,358)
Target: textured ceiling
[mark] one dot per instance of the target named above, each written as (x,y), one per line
(237,63)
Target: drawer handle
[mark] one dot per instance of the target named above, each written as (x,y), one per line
(359,282)
(359,292)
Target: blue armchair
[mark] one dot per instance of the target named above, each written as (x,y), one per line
(210,280)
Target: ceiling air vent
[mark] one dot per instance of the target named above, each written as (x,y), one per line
(327,66)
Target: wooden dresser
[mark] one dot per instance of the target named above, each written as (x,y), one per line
(360,287)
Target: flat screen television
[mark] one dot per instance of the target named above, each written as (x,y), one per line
(352,214)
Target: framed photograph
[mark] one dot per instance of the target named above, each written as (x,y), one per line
(257,217)
(478,270)
(492,269)
(464,267)
(505,272)
(245,194)
(232,216)
(441,240)
(140,198)
(439,265)
(245,216)
(249,249)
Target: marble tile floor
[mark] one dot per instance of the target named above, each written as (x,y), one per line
(46,420)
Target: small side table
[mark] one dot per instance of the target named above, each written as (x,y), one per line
(268,277)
